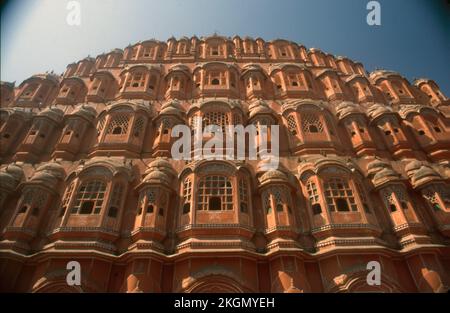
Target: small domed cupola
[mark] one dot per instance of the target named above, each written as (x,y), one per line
(155,202)
(42,132)
(10,177)
(77,125)
(38,194)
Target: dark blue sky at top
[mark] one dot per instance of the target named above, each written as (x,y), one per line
(413,38)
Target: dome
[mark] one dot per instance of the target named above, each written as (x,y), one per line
(420,173)
(172,108)
(52,113)
(425,172)
(376,165)
(381,172)
(346,108)
(413,166)
(273,175)
(48,174)
(10,176)
(160,164)
(259,107)
(87,112)
(181,68)
(378,109)
(156,176)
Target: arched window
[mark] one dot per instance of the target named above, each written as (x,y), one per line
(311,123)
(292,125)
(243,195)
(66,199)
(339,195)
(266,202)
(137,80)
(215,193)
(119,125)
(33,199)
(89,198)
(187,194)
(313,197)
(151,200)
(393,197)
(152,83)
(437,197)
(280,199)
(363,197)
(116,199)
(215,81)
(138,126)
(101,125)
(215,118)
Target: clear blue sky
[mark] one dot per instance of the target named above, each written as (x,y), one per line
(413,38)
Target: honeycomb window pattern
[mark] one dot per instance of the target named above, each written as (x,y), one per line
(138,126)
(311,123)
(101,125)
(292,125)
(119,125)
(266,202)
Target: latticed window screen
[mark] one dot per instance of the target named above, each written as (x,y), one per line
(278,198)
(243,195)
(119,125)
(39,199)
(162,204)
(151,196)
(116,196)
(137,80)
(292,125)
(101,125)
(389,195)
(215,118)
(266,202)
(215,193)
(339,195)
(66,198)
(363,197)
(89,197)
(36,199)
(165,125)
(432,196)
(138,126)
(311,123)
(141,203)
(28,197)
(313,196)
(187,195)
(437,196)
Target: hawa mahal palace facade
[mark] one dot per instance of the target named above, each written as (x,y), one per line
(86,174)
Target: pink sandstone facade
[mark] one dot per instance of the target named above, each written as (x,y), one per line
(86,174)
